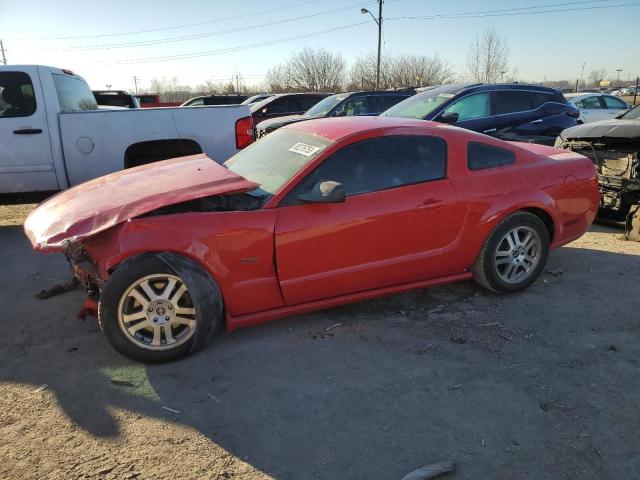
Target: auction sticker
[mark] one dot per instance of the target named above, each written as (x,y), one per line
(304,149)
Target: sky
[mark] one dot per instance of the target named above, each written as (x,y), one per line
(196,40)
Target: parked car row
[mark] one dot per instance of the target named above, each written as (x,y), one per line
(340,105)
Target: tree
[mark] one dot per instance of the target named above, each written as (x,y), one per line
(597,76)
(308,70)
(399,72)
(488,56)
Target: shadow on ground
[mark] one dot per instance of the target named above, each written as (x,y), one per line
(397,383)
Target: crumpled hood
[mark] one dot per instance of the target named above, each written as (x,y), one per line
(99,204)
(280,122)
(604,129)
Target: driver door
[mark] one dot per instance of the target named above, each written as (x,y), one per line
(397,224)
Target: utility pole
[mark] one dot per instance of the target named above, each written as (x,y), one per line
(237,83)
(378,20)
(4,59)
(135,82)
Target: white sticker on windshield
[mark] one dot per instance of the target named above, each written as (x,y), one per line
(304,149)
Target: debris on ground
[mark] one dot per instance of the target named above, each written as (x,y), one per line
(613,348)
(437,309)
(40,388)
(123,383)
(172,410)
(332,326)
(58,289)
(556,272)
(458,339)
(430,471)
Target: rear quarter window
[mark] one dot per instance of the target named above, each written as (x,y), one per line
(73,94)
(481,156)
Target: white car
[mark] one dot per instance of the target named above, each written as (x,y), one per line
(53,135)
(596,106)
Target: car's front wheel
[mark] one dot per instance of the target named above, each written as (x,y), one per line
(159,307)
(513,255)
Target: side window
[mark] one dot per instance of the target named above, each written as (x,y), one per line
(481,156)
(614,103)
(379,103)
(73,94)
(295,104)
(277,106)
(474,106)
(195,103)
(589,103)
(506,101)
(381,163)
(310,101)
(538,99)
(17,98)
(353,107)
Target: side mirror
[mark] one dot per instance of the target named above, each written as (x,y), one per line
(324,192)
(448,117)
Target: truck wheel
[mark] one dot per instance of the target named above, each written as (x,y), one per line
(159,307)
(513,255)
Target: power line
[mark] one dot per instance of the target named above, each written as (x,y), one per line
(196,36)
(510,12)
(230,49)
(174,27)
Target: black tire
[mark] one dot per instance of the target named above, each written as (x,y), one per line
(485,272)
(203,296)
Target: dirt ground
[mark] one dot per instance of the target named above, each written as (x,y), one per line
(538,385)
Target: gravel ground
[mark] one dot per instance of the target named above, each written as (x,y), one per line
(537,385)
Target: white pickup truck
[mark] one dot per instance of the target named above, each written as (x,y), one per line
(53,136)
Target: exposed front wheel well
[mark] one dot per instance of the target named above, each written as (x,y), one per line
(155,150)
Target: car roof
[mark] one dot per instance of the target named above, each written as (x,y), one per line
(508,86)
(336,128)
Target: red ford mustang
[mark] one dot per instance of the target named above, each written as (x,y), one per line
(317,214)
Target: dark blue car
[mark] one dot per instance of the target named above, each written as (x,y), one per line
(526,113)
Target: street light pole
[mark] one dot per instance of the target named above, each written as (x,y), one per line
(378,20)
(619,70)
(379,43)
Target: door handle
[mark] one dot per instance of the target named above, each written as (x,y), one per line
(432,202)
(27,131)
(491,130)
(537,121)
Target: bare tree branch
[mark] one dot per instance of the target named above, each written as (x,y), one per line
(487,57)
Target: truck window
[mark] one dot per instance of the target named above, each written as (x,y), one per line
(73,94)
(17,98)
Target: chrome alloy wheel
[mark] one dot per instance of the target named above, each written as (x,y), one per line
(518,254)
(156,313)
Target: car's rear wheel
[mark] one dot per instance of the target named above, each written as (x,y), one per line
(159,307)
(513,255)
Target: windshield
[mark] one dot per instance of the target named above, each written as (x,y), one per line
(323,107)
(276,158)
(422,104)
(633,114)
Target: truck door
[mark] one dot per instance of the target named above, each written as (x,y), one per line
(26,161)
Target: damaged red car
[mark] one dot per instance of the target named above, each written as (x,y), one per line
(315,215)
